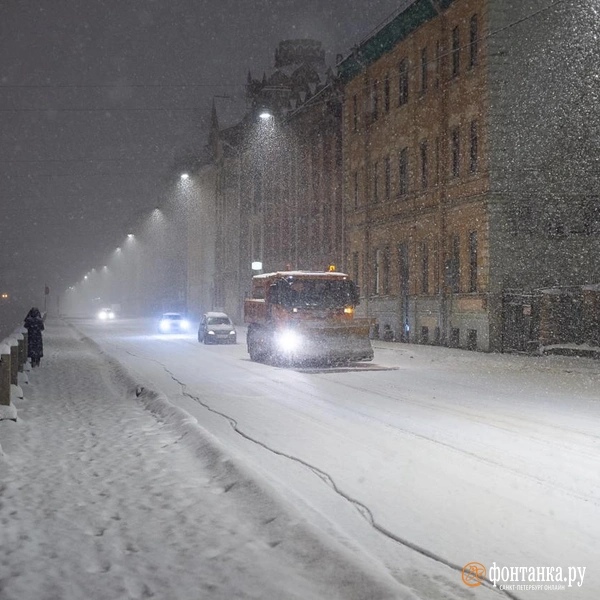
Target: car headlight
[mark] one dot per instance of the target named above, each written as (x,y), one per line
(111,315)
(102,315)
(288,340)
(185,324)
(165,325)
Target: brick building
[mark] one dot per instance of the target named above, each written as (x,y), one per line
(468,164)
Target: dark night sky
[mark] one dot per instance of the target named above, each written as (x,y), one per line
(96,104)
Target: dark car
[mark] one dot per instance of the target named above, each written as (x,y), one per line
(216,328)
(173,323)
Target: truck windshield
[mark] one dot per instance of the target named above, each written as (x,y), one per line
(319,293)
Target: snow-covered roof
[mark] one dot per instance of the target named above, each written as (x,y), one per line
(303,274)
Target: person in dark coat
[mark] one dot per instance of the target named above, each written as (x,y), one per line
(34,323)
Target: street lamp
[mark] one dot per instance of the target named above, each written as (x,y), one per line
(265,115)
(184,176)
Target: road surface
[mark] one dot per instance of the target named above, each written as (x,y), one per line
(456,456)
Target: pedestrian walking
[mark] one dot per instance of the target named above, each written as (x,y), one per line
(34,323)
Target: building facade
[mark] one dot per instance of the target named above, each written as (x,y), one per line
(451,145)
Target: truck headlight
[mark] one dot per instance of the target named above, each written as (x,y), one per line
(289,340)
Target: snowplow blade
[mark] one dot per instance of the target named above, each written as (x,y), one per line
(335,342)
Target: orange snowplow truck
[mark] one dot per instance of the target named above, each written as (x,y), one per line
(298,316)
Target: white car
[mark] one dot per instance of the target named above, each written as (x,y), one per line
(216,328)
(173,323)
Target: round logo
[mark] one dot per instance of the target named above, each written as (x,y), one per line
(473,574)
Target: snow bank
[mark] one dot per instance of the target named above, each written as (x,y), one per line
(7,412)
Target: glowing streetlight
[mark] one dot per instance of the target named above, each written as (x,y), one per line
(184,176)
(265,115)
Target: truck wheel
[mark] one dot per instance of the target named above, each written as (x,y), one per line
(253,345)
(257,345)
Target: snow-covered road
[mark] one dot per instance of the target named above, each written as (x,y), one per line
(428,451)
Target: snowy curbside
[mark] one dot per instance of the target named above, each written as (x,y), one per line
(16,392)
(7,412)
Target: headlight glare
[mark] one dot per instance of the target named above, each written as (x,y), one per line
(288,340)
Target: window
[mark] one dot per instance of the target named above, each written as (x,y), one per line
(473,41)
(403,172)
(355,113)
(474,147)
(355,177)
(455,52)
(471,339)
(473,261)
(375,181)
(387,177)
(403,270)
(374,101)
(454,340)
(424,268)
(424,166)
(386,271)
(403,82)
(455,284)
(455,151)
(424,67)
(386,94)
